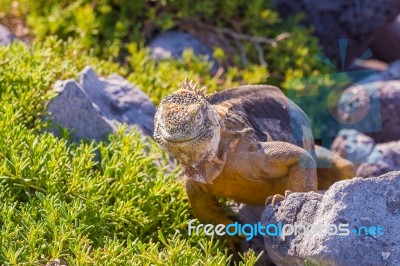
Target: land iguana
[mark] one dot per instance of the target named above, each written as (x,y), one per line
(245,143)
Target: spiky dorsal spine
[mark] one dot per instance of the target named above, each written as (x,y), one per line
(189,85)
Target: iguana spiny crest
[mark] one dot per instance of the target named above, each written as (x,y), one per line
(187,126)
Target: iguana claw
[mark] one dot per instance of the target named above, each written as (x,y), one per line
(273,200)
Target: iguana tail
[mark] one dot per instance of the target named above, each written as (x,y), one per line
(331,168)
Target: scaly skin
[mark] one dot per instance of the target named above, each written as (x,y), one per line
(245,144)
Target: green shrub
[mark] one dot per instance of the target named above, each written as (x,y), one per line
(106,26)
(106,203)
(159,78)
(112,203)
(57,201)
(28,74)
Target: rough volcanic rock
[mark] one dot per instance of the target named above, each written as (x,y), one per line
(386,44)
(367,211)
(171,44)
(95,106)
(372,108)
(385,158)
(6,37)
(370,159)
(353,145)
(361,22)
(390,73)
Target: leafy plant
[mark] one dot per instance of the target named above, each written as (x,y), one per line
(251,33)
(114,202)
(109,203)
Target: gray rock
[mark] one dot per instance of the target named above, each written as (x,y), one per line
(95,106)
(373,108)
(370,159)
(353,145)
(358,21)
(391,73)
(6,37)
(363,204)
(172,44)
(386,44)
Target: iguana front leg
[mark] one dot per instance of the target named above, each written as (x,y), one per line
(289,162)
(208,210)
(205,205)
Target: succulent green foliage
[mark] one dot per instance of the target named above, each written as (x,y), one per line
(28,74)
(159,78)
(57,201)
(106,26)
(108,203)
(112,203)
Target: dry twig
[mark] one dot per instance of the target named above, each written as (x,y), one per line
(224,38)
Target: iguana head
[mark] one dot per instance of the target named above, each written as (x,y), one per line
(187,127)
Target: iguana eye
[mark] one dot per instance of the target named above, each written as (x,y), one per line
(186,126)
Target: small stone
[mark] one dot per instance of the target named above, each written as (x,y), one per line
(372,107)
(95,106)
(172,44)
(363,23)
(370,159)
(6,37)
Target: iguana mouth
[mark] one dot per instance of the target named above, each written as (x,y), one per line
(180,139)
